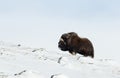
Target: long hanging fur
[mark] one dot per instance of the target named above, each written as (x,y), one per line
(74,44)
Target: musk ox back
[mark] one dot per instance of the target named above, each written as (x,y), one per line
(74,44)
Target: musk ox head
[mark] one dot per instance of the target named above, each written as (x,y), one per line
(74,44)
(64,41)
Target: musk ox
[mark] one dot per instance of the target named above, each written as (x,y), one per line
(74,44)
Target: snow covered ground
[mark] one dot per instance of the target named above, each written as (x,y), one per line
(17,61)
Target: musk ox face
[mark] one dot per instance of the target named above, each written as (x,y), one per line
(64,41)
(74,44)
(62,44)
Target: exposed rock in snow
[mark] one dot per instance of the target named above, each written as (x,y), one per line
(59,76)
(27,74)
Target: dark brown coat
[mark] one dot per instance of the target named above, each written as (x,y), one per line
(74,44)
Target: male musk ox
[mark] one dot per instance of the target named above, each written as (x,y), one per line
(74,44)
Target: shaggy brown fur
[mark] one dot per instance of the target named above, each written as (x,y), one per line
(74,44)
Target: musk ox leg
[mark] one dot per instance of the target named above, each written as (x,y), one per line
(73,53)
(86,54)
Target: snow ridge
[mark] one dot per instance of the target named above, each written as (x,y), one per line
(17,61)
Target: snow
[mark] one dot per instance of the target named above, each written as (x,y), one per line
(17,61)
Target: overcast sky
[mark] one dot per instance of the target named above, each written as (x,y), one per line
(40,23)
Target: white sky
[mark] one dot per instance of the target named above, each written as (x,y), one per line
(40,23)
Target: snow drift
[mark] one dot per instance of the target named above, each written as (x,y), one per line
(17,61)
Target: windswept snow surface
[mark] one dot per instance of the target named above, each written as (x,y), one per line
(17,61)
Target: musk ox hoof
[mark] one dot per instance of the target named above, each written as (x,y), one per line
(74,44)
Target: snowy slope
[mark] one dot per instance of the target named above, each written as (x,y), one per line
(17,61)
